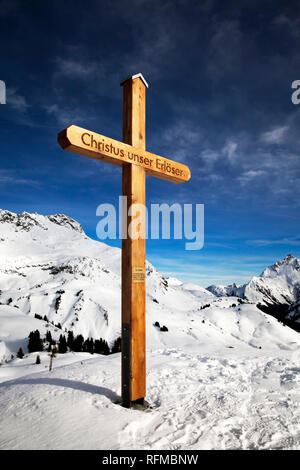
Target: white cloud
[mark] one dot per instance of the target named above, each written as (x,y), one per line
(65,116)
(275,136)
(10,177)
(75,68)
(210,156)
(229,150)
(282,241)
(15,100)
(247,176)
(181,139)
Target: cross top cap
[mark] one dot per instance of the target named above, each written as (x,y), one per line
(132,77)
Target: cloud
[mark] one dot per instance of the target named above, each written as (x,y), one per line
(248,176)
(10,177)
(210,156)
(182,132)
(292,24)
(145,47)
(283,241)
(226,36)
(77,68)
(65,116)
(213,178)
(275,136)
(15,100)
(207,269)
(229,150)
(181,139)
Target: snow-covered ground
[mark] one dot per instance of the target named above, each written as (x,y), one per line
(209,385)
(219,400)
(224,376)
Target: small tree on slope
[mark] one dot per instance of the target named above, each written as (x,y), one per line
(20,353)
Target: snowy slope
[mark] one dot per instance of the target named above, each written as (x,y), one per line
(49,267)
(199,400)
(224,376)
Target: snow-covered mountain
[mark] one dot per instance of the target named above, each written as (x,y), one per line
(276,290)
(224,376)
(50,269)
(278,284)
(230,290)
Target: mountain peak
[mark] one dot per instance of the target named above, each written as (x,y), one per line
(26,221)
(288,259)
(65,221)
(288,262)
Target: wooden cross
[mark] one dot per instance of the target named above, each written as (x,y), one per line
(136,162)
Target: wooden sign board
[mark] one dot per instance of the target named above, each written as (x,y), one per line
(78,140)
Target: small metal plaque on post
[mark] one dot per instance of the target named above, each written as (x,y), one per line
(138,274)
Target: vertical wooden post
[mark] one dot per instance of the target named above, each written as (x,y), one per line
(133,249)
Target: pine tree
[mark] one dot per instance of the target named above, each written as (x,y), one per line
(97,346)
(35,343)
(70,339)
(106,349)
(62,345)
(20,353)
(78,343)
(88,346)
(101,347)
(117,346)
(38,359)
(49,337)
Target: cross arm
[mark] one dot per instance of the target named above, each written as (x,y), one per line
(91,144)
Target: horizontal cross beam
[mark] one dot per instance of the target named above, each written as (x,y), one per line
(90,144)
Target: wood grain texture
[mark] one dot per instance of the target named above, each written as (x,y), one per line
(93,145)
(136,162)
(133,248)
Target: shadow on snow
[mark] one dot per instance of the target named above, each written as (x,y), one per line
(84,387)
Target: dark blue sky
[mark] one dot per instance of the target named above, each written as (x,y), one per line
(219,100)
